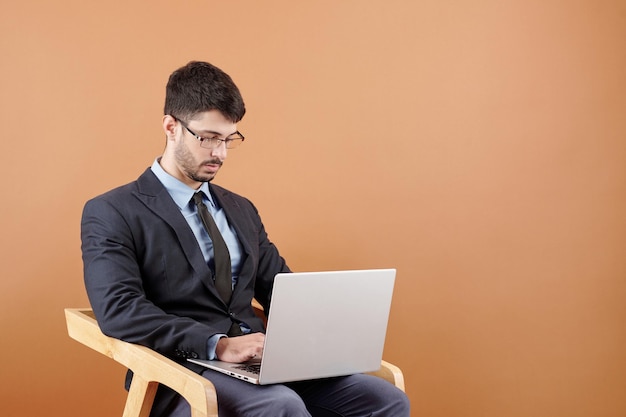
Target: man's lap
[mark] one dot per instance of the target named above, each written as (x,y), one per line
(354,395)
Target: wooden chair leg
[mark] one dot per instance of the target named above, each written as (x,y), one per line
(140,397)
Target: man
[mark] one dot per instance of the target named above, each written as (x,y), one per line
(153,263)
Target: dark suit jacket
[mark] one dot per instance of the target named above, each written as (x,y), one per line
(147,280)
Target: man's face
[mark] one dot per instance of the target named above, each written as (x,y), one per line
(195,163)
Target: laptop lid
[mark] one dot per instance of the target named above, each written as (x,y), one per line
(323,324)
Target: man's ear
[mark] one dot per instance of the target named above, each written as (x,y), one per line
(169,126)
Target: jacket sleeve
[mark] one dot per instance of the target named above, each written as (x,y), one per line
(117,292)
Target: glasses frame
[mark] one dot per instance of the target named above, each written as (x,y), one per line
(217,142)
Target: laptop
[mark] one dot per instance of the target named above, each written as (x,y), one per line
(320,324)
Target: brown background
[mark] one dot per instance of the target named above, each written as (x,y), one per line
(476,146)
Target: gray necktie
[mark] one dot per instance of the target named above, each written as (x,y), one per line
(221,257)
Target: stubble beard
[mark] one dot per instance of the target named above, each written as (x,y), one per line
(190,166)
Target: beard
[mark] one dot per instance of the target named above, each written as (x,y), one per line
(191,167)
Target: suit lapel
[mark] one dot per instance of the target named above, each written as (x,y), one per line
(156,198)
(237,219)
(234,214)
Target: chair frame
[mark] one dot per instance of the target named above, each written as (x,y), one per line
(151,369)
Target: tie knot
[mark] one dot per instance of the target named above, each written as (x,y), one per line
(197,198)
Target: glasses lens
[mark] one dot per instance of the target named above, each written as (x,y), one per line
(209,143)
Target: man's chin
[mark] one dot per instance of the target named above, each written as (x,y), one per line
(203,178)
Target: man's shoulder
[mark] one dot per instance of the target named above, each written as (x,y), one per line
(133,187)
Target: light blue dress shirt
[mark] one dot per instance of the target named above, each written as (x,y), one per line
(182,195)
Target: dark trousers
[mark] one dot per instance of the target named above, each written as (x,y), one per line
(350,396)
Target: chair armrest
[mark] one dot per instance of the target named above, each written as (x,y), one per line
(390,373)
(258,308)
(149,367)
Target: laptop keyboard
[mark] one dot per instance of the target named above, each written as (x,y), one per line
(254,368)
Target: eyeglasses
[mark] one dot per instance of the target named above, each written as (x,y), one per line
(231,141)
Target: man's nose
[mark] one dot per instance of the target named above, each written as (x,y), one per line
(220,151)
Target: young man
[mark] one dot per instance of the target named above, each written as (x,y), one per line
(155,266)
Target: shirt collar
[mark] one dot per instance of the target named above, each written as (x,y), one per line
(181,193)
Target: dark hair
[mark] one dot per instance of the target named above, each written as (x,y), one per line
(199,87)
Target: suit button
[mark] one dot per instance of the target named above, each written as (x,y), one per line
(194,355)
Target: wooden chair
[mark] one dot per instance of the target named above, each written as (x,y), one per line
(151,369)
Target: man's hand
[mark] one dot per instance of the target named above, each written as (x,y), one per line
(240,348)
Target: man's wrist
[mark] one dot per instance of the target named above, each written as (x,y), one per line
(212,345)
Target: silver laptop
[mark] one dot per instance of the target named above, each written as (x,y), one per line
(321,324)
